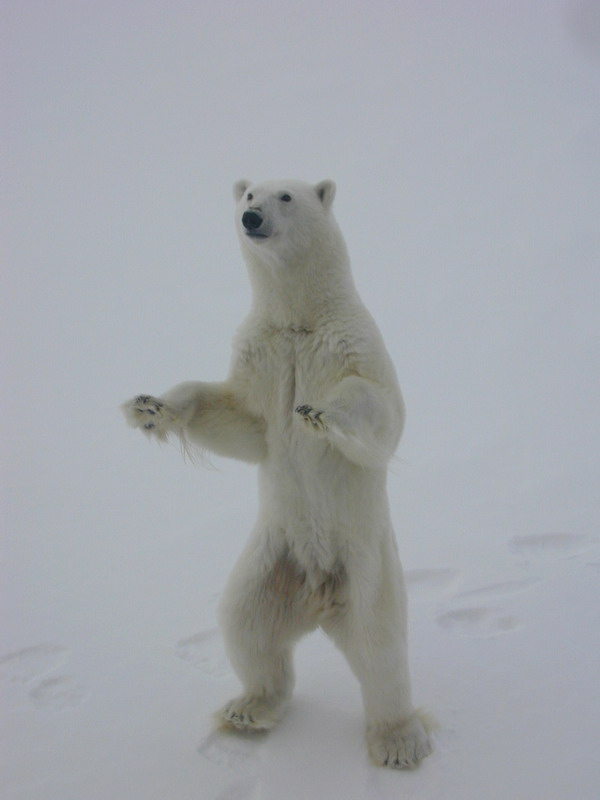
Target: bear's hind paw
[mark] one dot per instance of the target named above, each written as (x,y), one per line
(400,746)
(249,713)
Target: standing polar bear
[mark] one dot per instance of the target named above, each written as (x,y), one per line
(312,398)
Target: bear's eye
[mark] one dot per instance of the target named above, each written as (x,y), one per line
(249,196)
(286,198)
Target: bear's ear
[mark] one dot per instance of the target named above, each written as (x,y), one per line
(239,188)
(326,192)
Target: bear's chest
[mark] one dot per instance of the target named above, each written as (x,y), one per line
(290,368)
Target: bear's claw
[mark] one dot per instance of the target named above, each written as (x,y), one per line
(149,414)
(312,417)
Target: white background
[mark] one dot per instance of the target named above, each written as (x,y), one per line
(464,138)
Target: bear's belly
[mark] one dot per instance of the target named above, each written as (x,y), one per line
(318,503)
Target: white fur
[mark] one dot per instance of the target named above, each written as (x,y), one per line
(312,398)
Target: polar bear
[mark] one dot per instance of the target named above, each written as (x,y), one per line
(312,398)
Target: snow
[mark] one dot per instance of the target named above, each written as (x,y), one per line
(464,138)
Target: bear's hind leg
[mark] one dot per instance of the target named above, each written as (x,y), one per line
(371,632)
(262,617)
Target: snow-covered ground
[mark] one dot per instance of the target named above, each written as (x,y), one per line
(465,141)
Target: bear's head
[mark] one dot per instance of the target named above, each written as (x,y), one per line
(281,222)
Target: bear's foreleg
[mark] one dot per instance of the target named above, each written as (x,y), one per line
(209,415)
(360,418)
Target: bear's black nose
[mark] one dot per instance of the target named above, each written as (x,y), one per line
(251,220)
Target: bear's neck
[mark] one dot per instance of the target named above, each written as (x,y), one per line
(303,292)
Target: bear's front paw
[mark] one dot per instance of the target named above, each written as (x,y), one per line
(313,418)
(150,414)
